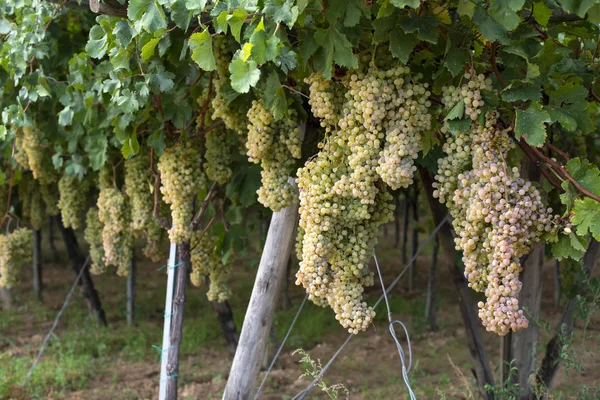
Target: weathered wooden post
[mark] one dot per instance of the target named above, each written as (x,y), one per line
(250,353)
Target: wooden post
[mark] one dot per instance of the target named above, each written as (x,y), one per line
(51,223)
(250,354)
(506,356)
(430,304)
(37,264)
(397,220)
(131,289)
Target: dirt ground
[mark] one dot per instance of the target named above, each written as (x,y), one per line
(369,366)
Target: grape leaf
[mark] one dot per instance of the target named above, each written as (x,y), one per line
(579,7)
(195,4)
(569,246)
(335,48)
(98,43)
(541,12)
(466,8)
(586,217)
(521,91)
(402,44)
(455,58)
(488,27)
(282,11)
(264,48)
(530,124)
(505,12)
(457,112)
(275,98)
(236,21)
(149,14)
(180,14)
(65,117)
(149,48)
(244,74)
(585,173)
(202,53)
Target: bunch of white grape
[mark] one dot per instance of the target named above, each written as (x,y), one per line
(93,236)
(72,201)
(181,179)
(275,145)
(232,116)
(385,112)
(38,161)
(221,143)
(15,248)
(497,215)
(117,239)
(338,233)
(326,99)
(50,196)
(206,264)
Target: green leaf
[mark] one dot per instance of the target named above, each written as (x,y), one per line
(157,141)
(222,22)
(579,7)
(585,173)
(402,44)
(195,5)
(455,59)
(162,81)
(488,27)
(149,14)
(530,124)
(275,98)
(180,14)
(466,8)
(429,141)
(282,11)
(149,48)
(264,48)
(202,53)
(541,12)
(236,21)
(2,132)
(586,217)
(521,91)
(131,146)
(406,3)
(244,74)
(569,246)
(96,147)
(335,48)
(234,214)
(505,12)
(98,43)
(65,117)
(457,112)
(123,34)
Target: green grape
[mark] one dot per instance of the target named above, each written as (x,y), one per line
(181,180)
(93,236)
(220,144)
(38,161)
(117,239)
(275,145)
(206,264)
(16,248)
(72,200)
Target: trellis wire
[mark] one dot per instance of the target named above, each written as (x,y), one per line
(55,324)
(405,370)
(303,393)
(259,391)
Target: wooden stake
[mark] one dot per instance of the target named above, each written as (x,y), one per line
(37,263)
(259,316)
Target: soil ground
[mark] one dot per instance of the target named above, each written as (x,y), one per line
(87,362)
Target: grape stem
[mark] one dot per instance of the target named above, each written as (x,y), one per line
(495,67)
(209,128)
(537,157)
(209,196)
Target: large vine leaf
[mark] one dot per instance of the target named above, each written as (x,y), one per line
(244,73)
(531,124)
(334,48)
(202,52)
(148,14)
(586,217)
